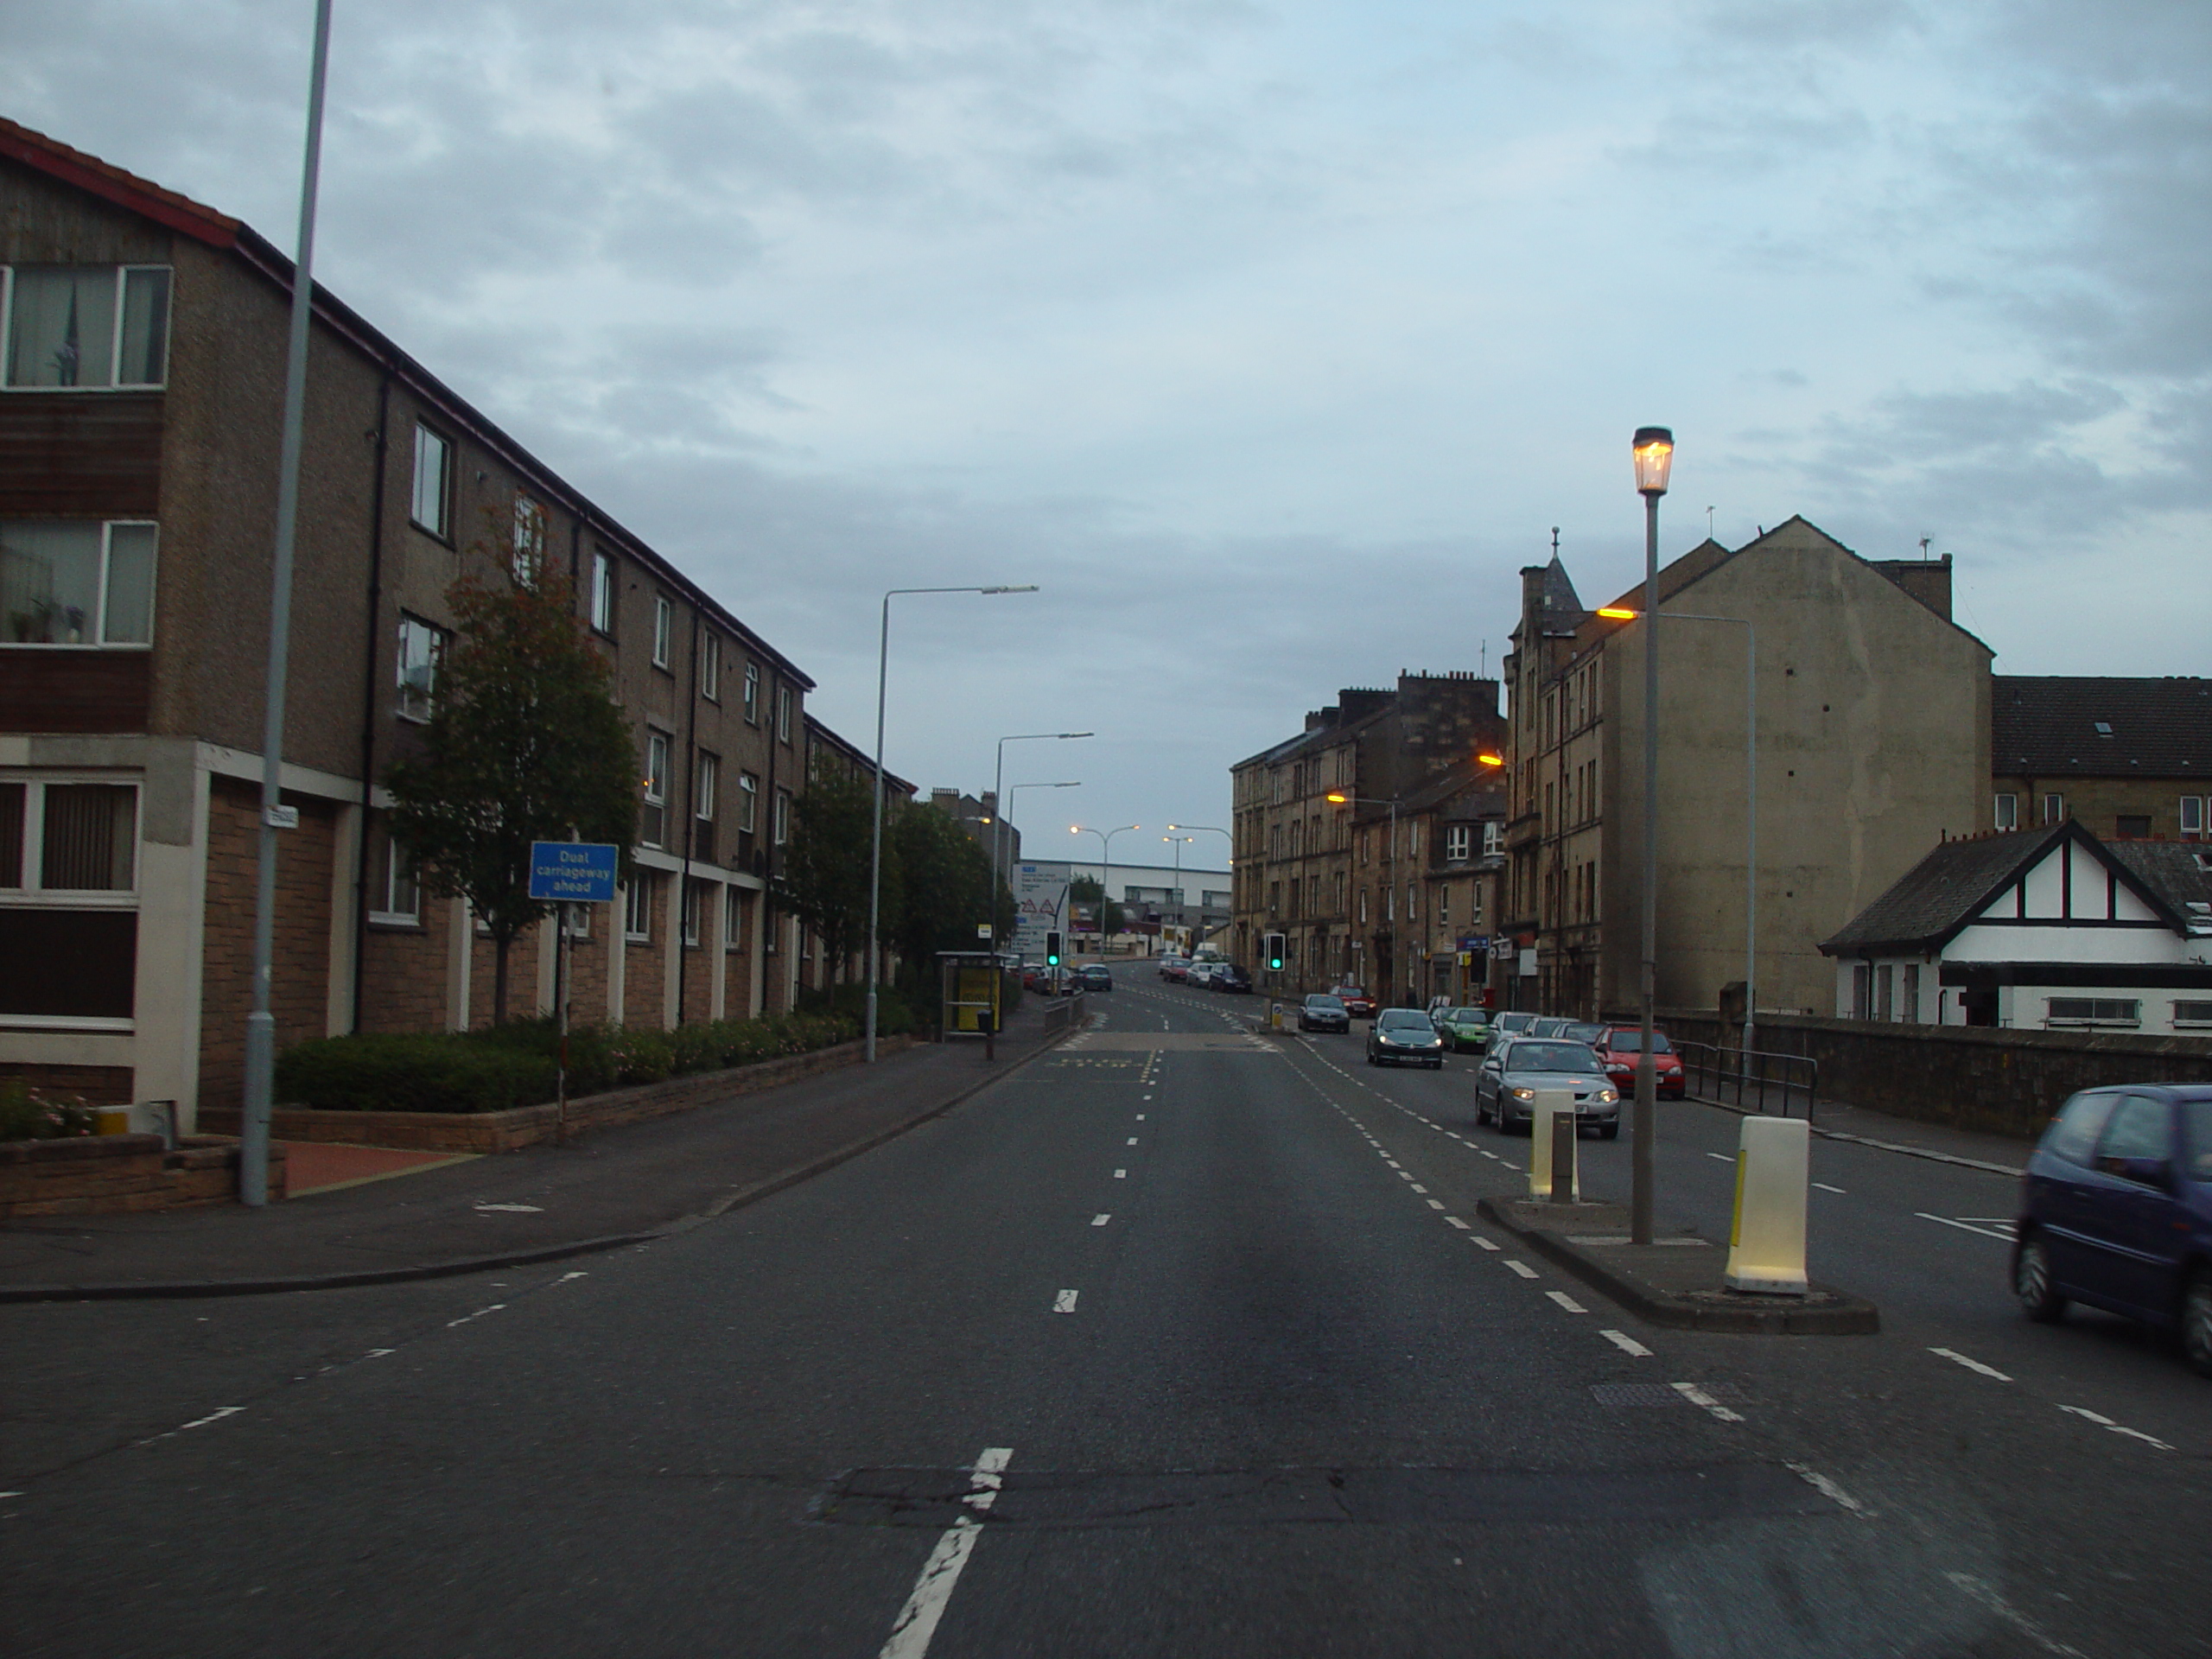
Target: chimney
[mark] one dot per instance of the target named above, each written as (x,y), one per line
(1927,581)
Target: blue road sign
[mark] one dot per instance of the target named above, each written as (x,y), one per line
(576,871)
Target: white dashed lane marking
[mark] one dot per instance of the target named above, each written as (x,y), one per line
(2106,1423)
(1626,1343)
(1521,1268)
(1566,1301)
(1974,1365)
(1100,1220)
(1963,1227)
(1698,1397)
(1120,1174)
(1064,1302)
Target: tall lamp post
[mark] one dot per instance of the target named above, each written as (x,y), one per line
(1654,449)
(1005,814)
(1180,842)
(1339,799)
(1001,814)
(875,844)
(1215,829)
(1620,613)
(1105,867)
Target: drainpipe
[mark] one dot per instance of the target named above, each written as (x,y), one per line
(690,819)
(370,659)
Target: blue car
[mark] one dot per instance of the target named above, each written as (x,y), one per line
(2117,1213)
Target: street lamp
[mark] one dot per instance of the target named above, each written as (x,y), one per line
(876,845)
(1623,613)
(1105,867)
(1654,449)
(1180,842)
(1337,797)
(999,808)
(1011,790)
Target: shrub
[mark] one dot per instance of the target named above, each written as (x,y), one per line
(894,1015)
(25,1115)
(428,1071)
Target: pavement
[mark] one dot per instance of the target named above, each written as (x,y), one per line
(365,1214)
(1173,1341)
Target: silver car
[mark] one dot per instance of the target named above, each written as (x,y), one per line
(1515,1069)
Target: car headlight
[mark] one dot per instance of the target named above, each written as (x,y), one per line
(1522,1094)
(1606,1097)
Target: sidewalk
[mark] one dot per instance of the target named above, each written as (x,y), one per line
(612,1187)
(1864,1126)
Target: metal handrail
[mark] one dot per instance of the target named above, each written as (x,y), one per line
(1750,1079)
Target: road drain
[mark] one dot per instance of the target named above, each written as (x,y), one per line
(1520,1498)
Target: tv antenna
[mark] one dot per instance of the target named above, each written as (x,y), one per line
(1923,547)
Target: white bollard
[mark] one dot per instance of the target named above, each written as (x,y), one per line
(1766,1246)
(1548,1103)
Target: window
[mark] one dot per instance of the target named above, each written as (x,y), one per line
(2093,1011)
(2132,826)
(2007,813)
(2186,1012)
(76,583)
(783,825)
(1908,1006)
(732,919)
(1493,838)
(2142,1130)
(395,896)
(1413,902)
(1885,982)
(69,934)
(1862,991)
(2054,808)
(638,907)
(68,837)
(652,821)
(88,326)
(710,667)
(2192,817)
(603,591)
(748,802)
(530,540)
(693,904)
(753,693)
(663,625)
(1458,838)
(2072,1133)
(704,785)
(432,506)
(422,645)
(783,714)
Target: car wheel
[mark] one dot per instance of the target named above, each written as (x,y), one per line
(2196,1322)
(2035,1285)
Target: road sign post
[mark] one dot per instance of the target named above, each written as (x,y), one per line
(568,873)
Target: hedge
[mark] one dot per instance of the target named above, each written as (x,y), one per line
(515,1064)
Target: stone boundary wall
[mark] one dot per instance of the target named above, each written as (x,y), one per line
(2000,1081)
(527,1126)
(122,1174)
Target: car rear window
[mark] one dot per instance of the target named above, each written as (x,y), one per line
(1631,1042)
(2196,1138)
(1551,1057)
(2072,1133)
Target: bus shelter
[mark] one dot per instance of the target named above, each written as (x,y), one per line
(973,991)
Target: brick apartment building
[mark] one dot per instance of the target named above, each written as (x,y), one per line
(142,355)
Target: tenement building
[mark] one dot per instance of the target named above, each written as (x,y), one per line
(142,360)
(1870,738)
(2130,759)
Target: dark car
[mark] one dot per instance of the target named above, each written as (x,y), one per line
(1514,1070)
(1357,1003)
(2116,1211)
(1404,1037)
(1618,1047)
(1229,977)
(1322,1012)
(1091,977)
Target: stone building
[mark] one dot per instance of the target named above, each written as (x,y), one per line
(1873,743)
(2131,758)
(142,360)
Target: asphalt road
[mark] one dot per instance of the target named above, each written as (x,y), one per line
(1177,1342)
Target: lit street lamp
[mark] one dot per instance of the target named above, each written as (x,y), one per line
(876,845)
(1002,813)
(1105,867)
(1654,449)
(1180,842)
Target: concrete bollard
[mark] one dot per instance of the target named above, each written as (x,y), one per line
(1547,1106)
(1766,1245)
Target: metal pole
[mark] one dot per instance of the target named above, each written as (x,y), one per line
(1751,833)
(1647,1071)
(998,828)
(261,1024)
(875,844)
(561,949)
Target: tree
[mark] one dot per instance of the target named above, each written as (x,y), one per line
(825,866)
(1086,889)
(524,743)
(945,889)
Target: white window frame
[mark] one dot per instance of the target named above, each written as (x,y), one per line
(426,435)
(383,912)
(638,908)
(782,811)
(691,913)
(2192,816)
(2198,1014)
(664,629)
(99,640)
(733,918)
(115,338)
(783,714)
(605,580)
(748,803)
(710,665)
(1493,837)
(752,694)
(532,530)
(654,787)
(1458,842)
(440,640)
(705,776)
(2006,812)
(2104,1011)
(34,893)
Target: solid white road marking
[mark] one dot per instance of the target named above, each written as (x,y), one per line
(2098,1418)
(1828,1489)
(917,1622)
(1956,1358)
(1100,1221)
(1698,1397)
(1825,1187)
(1977,1590)
(1064,1302)
(1480,1239)
(1962,1227)
(478,1314)
(2005,1222)
(1725,1157)
(215,1416)
(1566,1301)
(1522,1268)
(1626,1343)
(1120,1174)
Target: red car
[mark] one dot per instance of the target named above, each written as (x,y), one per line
(1619,1047)
(1357,1003)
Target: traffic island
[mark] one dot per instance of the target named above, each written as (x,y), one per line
(1675,1279)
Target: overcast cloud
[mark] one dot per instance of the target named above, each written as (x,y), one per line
(1270,339)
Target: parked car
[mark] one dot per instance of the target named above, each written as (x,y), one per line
(1321,1012)
(1232,978)
(1036,976)
(2116,1211)
(1549,1025)
(1618,1047)
(1515,1023)
(1092,977)
(1404,1037)
(1357,1003)
(1174,967)
(1199,975)
(1507,1081)
(1462,1028)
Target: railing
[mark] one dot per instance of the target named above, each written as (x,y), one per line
(1060,1015)
(1750,1079)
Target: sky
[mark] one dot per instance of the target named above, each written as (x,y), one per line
(1269,340)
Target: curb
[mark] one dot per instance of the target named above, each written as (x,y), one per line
(1854,1317)
(159,1290)
(2014,1171)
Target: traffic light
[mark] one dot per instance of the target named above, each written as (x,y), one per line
(1051,950)
(1274,953)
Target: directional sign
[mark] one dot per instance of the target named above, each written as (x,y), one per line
(575,872)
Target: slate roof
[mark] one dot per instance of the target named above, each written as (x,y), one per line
(2047,725)
(2180,872)
(1563,608)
